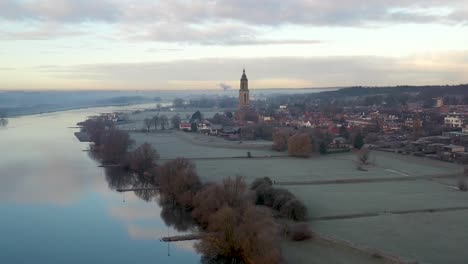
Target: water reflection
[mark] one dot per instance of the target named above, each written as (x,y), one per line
(174,216)
(58,206)
(3,119)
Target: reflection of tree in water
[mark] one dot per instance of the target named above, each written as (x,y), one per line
(3,119)
(117,178)
(144,183)
(219,260)
(178,218)
(173,216)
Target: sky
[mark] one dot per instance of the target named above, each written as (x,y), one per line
(205,44)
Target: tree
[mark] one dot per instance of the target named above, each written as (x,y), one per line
(228,114)
(300,232)
(178,102)
(194,127)
(363,157)
(3,118)
(114,146)
(358,141)
(299,145)
(156,121)
(280,140)
(197,117)
(462,186)
(179,182)
(148,123)
(323,148)
(143,158)
(164,122)
(175,121)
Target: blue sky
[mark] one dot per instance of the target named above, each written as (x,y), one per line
(198,44)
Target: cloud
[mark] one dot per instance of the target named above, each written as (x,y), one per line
(42,32)
(67,11)
(273,72)
(260,12)
(227,22)
(229,34)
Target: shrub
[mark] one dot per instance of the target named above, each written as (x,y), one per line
(300,232)
(323,148)
(358,141)
(294,210)
(363,155)
(462,186)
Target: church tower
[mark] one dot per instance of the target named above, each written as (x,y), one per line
(244,99)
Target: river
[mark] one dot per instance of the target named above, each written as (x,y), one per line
(57,207)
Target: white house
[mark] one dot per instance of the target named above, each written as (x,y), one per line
(454,120)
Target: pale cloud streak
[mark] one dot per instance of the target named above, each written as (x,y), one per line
(273,72)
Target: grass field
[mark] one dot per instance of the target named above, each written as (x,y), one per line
(170,146)
(428,237)
(345,199)
(319,252)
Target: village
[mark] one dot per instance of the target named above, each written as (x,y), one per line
(436,128)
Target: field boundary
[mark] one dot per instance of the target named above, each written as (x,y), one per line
(395,212)
(373,252)
(366,180)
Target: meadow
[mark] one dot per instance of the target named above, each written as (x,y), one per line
(384,215)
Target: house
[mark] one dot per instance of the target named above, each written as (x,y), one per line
(231,130)
(216,129)
(185,126)
(340,143)
(454,120)
(453,148)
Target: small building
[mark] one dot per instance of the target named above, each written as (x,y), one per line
(216,129)
(340,143)
(453,148)
(185,126)
(231,130)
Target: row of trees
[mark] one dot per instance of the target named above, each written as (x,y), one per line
(235,227)
(298,144)
(162,121)
(302,143)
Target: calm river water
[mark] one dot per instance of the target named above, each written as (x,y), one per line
(56,205)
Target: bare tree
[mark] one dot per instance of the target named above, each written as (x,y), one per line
(179,182)
(462,186)
(363,158)
(114,146)
(143,158)
(175,121)
(3,118)
(156,121)
(164,122)
(148,123)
